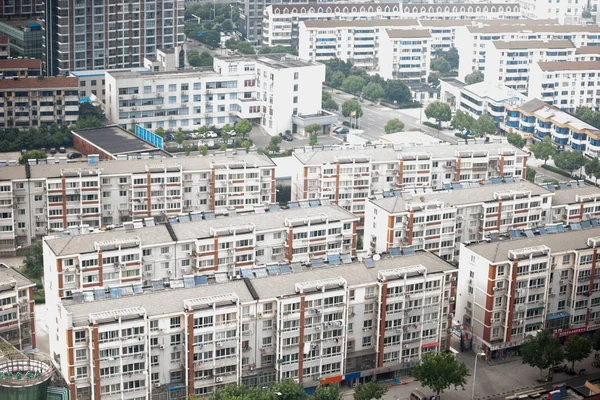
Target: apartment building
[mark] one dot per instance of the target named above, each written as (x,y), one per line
(471,40)
(574,202)
(79,36)
(4,47)
(282,22)
(536,119)
(22,68)
(509,62)
(45,198)
(349,177)
(17,318)
(20,9)
(566,84)
(509,289)
(264,89)
(587,53)
(316,325)
(440,221)
(30,102)
(404,54)
(566,13)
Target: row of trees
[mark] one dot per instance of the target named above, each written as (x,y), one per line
(196,59)
(588,115)
(214,19)
(544,351)
(343,75)
(443,64)
(484,125)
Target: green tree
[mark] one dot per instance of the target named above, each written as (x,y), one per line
(243,127)
(203,150)
(32,155)
(273,146)
(462,120)
(484,126)
(352,109)
(369,391)
(287,389)
(208,25)
(543,150)
(586,14)
(278,50)
(542,351)
(530,174)
(246,144)
(353,84)
(592,168)
(337,79)
(373,91)
(328,392)
(313,140)
(227,25)
(160,132)
(569,160)
(438,111)
(434,79)
(474,77)
(397,92)
(451,55)
(587,115)
(440,371)
(244,47)
(210,38)
(577,348)
(516,140)
(313,129)
(441,65)
(231,43)
(393,126)
(34,262)
(328,103)
(179,137)
(223,147)
(196,59)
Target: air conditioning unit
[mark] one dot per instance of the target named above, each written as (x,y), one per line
(157,385)
(162,347)
(218,379)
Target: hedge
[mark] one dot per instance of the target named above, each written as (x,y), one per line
(431,125)
(556,170)
(412,104)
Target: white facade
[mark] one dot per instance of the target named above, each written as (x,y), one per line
(39,199)
(17,319)
(566,12)
(309,324)
(508,62)
(264,89)
(405,54)
(471,40)
(509,289)
(567,85)
(440,221)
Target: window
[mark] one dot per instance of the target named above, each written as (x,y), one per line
(366,341)
(175,322)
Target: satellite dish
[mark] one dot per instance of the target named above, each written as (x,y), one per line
(376,257)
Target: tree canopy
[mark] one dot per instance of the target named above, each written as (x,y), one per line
(328,103)
(474,77)
(569,160)
(543,150)
(397,91)
(577,348)
(196,59)
(352,106)
(592,169)
(369,391)
(373,91)
(516,140)
(278,50)
(32,155)
(441,65)
(484,126)
(441,371)
(242,127)
(353,84)
(34,262)
(313,129)
(588,115)
(462,120)
(393,126)
(438,111)
(542,351)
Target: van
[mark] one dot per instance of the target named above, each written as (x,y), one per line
(417,395)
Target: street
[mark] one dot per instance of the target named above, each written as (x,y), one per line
(376,116)
(191,44)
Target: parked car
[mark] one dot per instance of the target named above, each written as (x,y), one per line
(73,155)
(62,150)
(53,151)
(43,149)
(23,151)
(169,136)
(211,134)
(342,131)
(231,133)
(287,136)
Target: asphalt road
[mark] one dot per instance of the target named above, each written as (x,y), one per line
(376,116)
(191,44)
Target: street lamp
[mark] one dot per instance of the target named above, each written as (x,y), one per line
(475,374)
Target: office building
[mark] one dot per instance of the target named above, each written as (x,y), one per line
(25,37)
(471,40)
(509,289)
(349,177)
(17,318)
(16,67)
(317,325)
(78,36)
(440,221)
(276,91)
(566,84)
(509,62)
(282,22)
(536,119)
(30,102)
(44,198)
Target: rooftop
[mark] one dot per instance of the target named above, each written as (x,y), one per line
(361,23)
(557,242)
(588,50)
(533,44)
(7,273)
(559,117)
(532,105)
(528,26)
(116,140)
(407,33)
(569,65)
(495,91)
(16,63)
(39,83)
(569,195)
(102,72)
(158,303)
(152,235)
(276,60)
(459,197)
(333,6)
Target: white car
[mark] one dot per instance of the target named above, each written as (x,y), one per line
(211,134)
(231,133)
